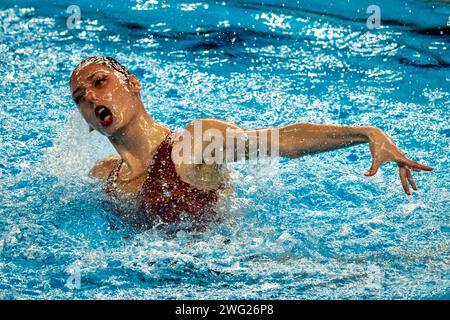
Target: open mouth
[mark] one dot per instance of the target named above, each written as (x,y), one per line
(104,115)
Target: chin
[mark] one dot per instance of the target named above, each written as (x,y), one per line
(109,131)
(115,128)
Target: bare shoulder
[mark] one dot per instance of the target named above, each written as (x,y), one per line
(210,123)
(102,168)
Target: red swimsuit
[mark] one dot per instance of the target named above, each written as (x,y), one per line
(165,195)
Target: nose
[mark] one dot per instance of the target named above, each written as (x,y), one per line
(90,96)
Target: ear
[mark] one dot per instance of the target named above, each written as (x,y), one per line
(135,84)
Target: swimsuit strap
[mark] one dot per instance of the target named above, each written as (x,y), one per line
(167,142)
(112,178)
(114,174)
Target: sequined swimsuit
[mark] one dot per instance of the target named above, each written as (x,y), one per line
(165,195)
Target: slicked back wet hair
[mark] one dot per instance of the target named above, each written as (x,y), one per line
(106,61)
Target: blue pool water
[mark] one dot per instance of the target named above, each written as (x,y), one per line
(310,228)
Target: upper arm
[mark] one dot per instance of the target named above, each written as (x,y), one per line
(102,168)
(202,125)
(235,142)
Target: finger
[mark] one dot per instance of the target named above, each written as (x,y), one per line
(373,169)
(402,174)
(416,170)
(416,165)
(410,179)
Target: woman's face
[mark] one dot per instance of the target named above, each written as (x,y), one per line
(105,99)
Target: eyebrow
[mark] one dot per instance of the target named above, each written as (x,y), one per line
(81,87)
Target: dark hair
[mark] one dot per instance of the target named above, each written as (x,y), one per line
(107,61)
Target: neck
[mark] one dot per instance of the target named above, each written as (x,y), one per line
(137,143)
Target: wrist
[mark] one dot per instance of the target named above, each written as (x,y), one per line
(372,132)
(364,133)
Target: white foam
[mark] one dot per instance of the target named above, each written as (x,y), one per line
(75,150)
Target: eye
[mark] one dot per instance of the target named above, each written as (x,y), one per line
(99,82)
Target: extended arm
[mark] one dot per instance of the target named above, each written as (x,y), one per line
(301,139)
(306,138)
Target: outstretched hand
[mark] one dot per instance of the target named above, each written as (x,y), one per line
(383,150)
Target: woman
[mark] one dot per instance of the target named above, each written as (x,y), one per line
(149,171)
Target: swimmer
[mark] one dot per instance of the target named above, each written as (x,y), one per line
(108,97)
